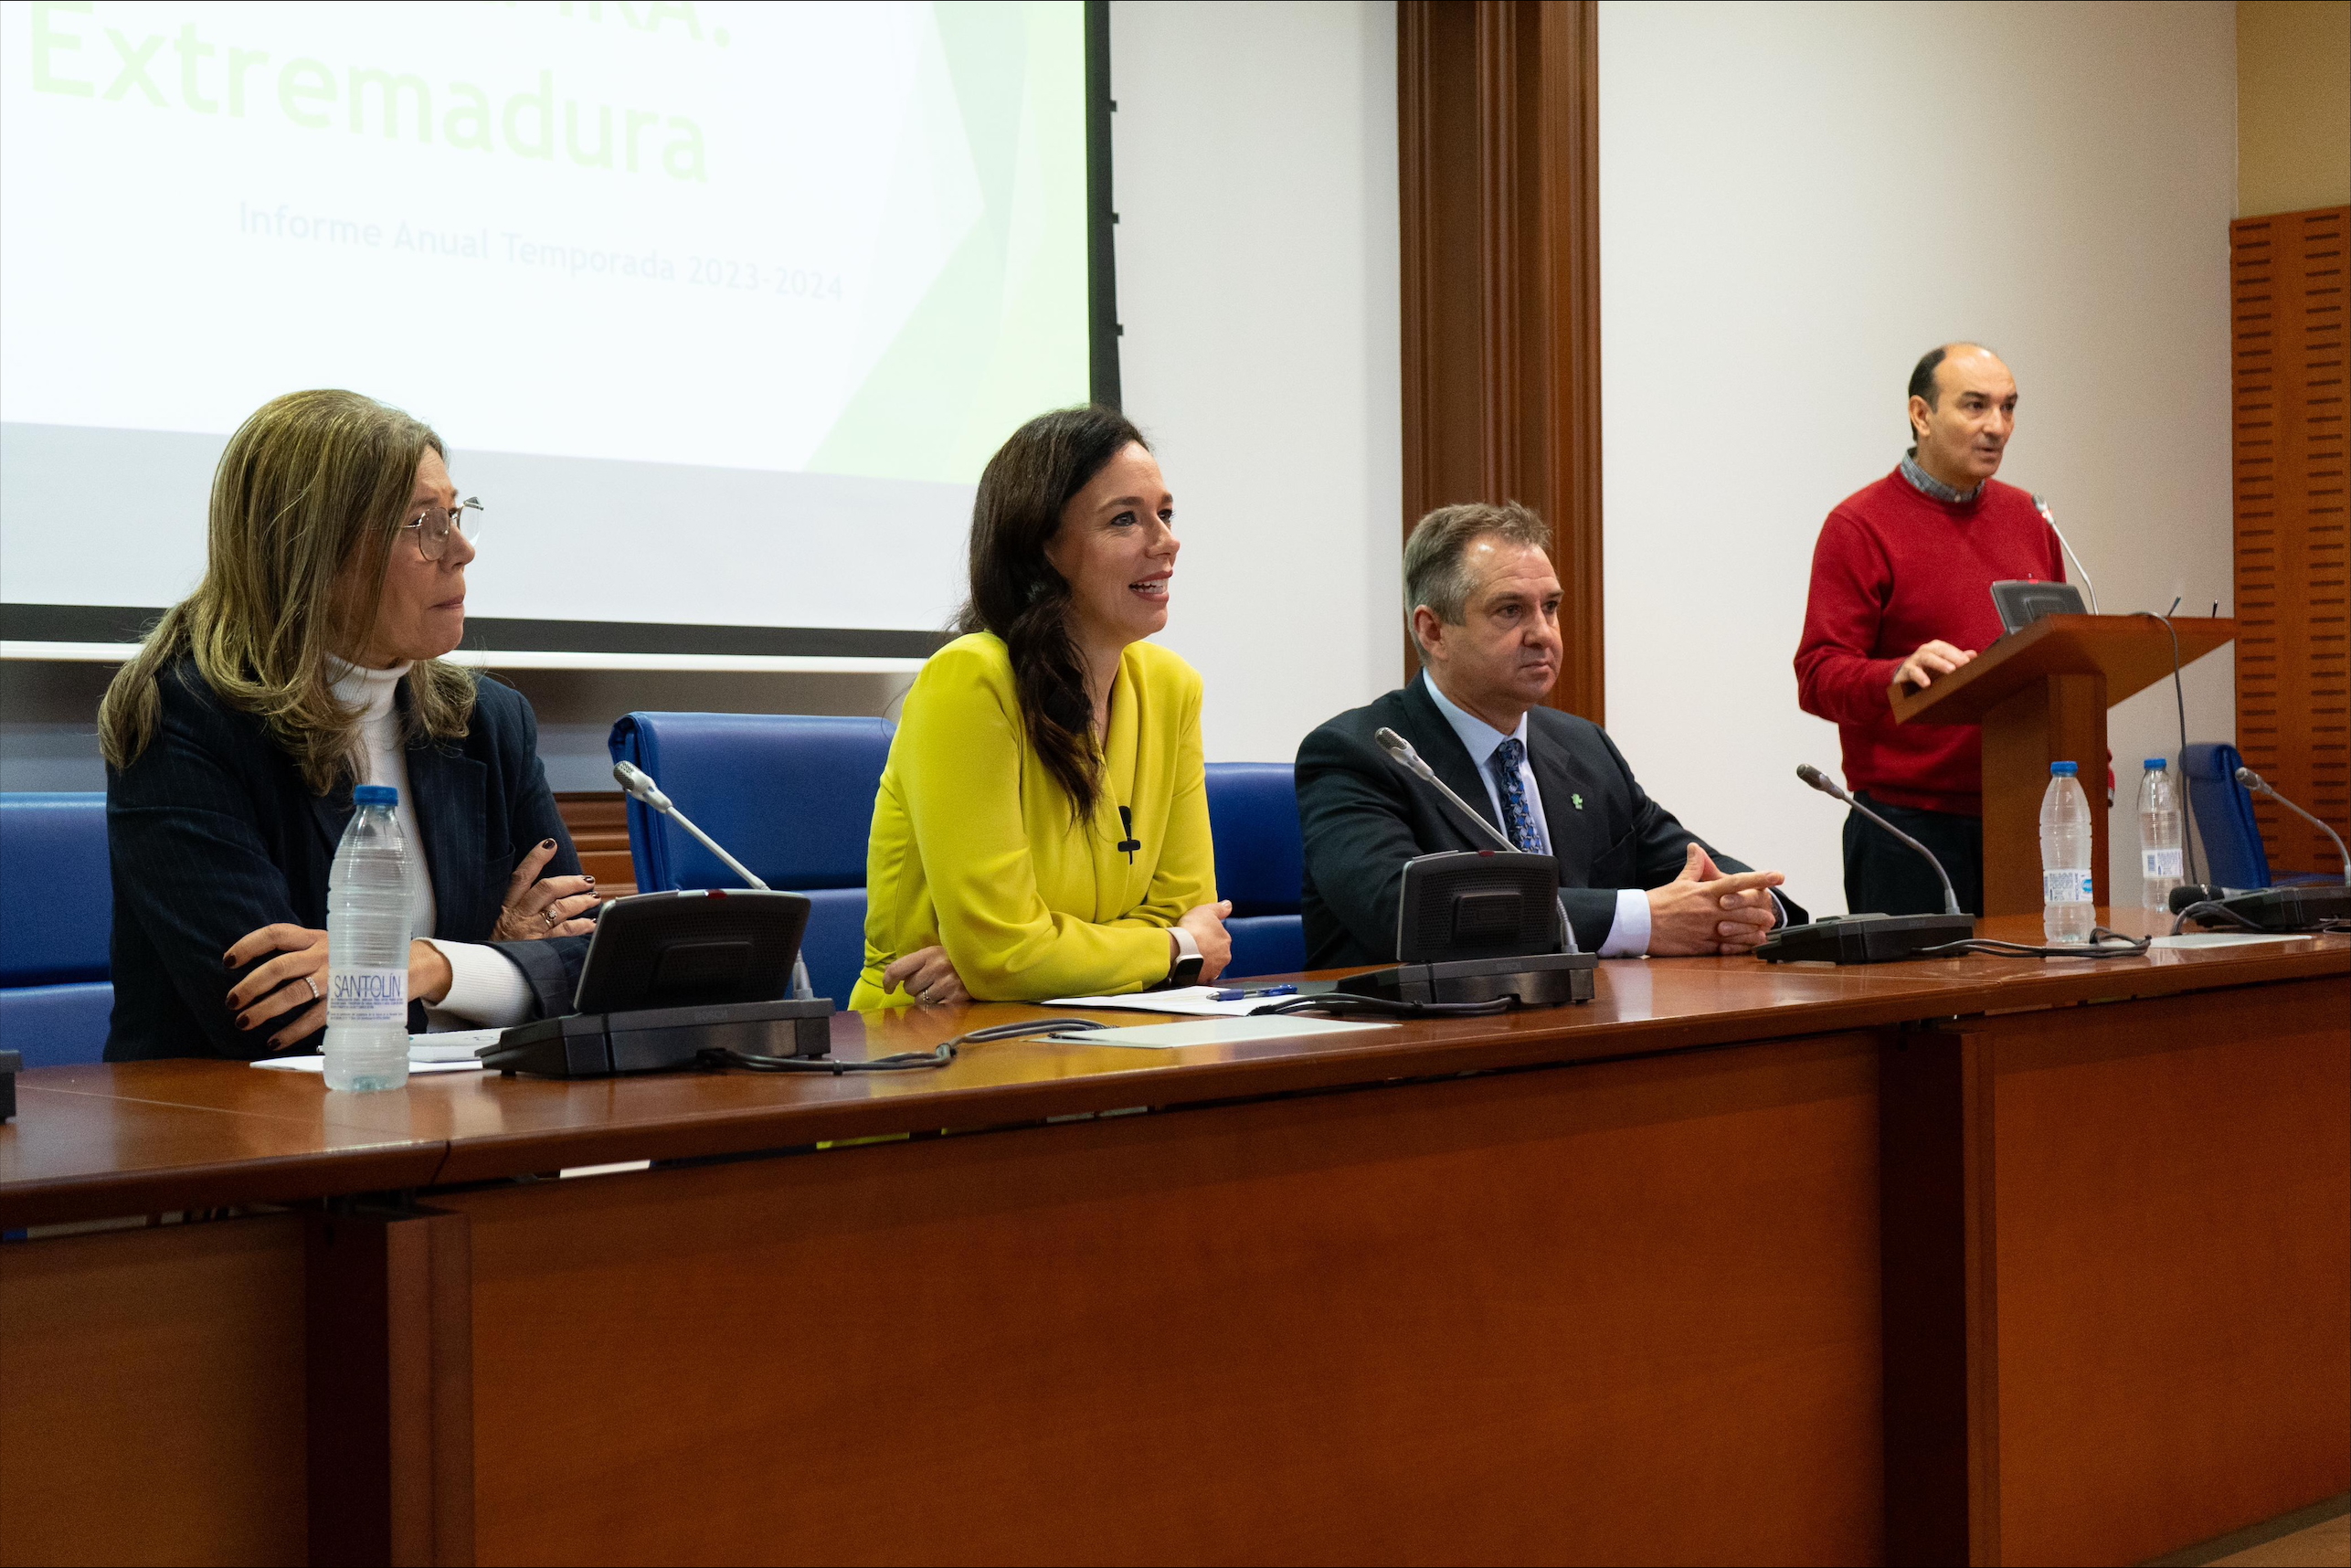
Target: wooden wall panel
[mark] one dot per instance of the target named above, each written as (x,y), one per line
(1498,107)
(2171,1180)
(2287,280)
(152,1395)
(1609,1314)
(2117,1271)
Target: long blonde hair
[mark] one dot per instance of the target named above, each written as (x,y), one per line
(307,502)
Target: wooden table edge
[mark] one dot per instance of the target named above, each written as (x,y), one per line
(1481,1045)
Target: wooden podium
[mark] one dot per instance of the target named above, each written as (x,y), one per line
(2041,696)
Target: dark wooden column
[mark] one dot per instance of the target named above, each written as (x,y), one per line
(1498,164)
(390,1387)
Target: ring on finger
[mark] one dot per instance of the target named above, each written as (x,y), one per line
(549,914)
(313,987)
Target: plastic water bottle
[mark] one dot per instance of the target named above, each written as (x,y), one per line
(367,949)
(2162,841)
(2067,913)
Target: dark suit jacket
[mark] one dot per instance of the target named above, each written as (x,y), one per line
(212,833)
(1363,816)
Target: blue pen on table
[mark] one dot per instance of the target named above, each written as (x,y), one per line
(1238,994)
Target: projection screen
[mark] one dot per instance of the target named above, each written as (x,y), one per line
(720,308)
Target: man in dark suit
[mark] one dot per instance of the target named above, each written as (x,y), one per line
(1485,611)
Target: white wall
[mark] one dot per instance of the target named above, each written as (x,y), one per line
(1255,157)
(1798,200)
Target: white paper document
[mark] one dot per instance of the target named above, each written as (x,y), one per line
(450,1045)
(451,1052)
(1212,1031)
(318,1064)
(1195,1001)
(2223,939)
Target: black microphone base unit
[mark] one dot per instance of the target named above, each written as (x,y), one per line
(661,1039)
(1540,980)
(1864,939)
(2296,908)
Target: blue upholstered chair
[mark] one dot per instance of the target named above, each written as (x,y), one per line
(56,916)
(2233,854)
(1252,809)
(790,796)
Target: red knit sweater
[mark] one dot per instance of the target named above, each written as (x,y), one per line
(1895,568)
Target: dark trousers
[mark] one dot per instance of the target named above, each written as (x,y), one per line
(1884,875)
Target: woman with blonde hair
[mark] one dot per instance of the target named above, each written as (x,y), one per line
(306,663)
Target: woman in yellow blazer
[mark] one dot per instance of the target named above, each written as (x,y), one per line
(1041,827)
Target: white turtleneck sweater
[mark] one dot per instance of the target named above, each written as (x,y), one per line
(485,989)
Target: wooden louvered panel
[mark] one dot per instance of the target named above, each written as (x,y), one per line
(2288,278)
(597,821)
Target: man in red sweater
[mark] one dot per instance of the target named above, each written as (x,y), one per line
(1901,586)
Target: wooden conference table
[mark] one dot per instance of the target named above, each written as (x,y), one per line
(1986,1259)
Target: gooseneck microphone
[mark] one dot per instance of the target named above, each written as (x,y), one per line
(1869,938)
(1401,750)
(2040,505)
(1397,747)
(1835,792)
(640,786)
(2261,785)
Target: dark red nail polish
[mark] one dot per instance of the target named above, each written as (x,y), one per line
(591,881)
(546,843)
(243,1021)
(228,961)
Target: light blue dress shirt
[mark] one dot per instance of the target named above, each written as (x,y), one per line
(1628,934)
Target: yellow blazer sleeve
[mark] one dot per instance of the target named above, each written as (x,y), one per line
(1185,876)
(960,764)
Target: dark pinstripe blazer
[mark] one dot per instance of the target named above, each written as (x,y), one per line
(212,833)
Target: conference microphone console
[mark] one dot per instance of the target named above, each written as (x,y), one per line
(1869,939)
(1863,939)
(2297,907)
(1536,980)
(661,1039)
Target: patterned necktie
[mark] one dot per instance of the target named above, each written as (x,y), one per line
(1518,819)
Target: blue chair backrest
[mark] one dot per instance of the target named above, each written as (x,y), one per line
(56,918)
(2233,855)
(1253,811)
(57,895)
(790,795)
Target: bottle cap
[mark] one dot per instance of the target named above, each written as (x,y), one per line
(379,795)
(2063,770)
(2153,763)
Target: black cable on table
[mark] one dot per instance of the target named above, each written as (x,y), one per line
(2102,943)
(903,1061)
(1344,1002)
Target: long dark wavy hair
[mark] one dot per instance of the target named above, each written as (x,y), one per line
(1016,593)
